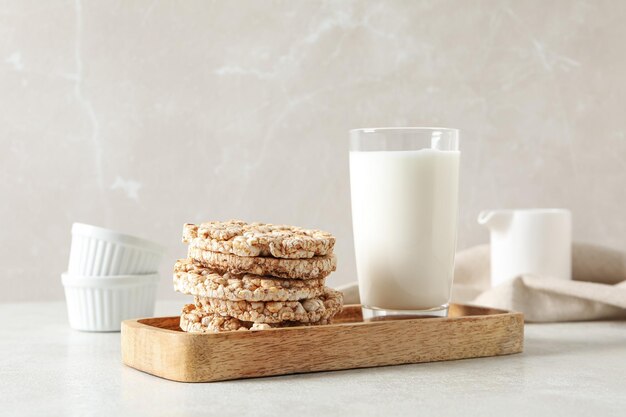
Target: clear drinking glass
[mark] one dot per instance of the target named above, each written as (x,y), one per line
(404,188)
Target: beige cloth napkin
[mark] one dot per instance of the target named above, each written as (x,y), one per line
(597,291)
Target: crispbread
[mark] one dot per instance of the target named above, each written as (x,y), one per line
(310,310)
(194,279)
(311,268)
(259,239)
(195,320)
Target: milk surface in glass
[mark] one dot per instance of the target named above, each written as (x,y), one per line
(405,210)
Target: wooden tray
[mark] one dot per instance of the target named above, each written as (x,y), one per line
(157,346)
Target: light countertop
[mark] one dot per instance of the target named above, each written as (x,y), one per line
(567,369)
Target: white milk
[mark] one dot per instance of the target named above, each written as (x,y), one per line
(404,213)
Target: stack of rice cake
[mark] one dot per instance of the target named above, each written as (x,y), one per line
(255,276)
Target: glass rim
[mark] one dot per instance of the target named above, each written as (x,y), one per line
(391,129)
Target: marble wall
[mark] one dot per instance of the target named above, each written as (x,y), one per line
(143,115)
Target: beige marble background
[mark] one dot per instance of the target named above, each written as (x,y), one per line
(143,115)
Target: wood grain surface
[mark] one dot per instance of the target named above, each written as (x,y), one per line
(157,346)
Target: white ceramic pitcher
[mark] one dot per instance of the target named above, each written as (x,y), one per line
(529,241)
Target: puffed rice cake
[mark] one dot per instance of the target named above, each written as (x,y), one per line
(194,279)
(310,268)
(259,239)
(309,310)
(195,320)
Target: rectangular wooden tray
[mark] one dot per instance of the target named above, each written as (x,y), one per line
(157,345)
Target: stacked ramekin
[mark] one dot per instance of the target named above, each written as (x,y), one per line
(111,277)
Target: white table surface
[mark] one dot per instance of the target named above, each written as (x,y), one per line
(568,369)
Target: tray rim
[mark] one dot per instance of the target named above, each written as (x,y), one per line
(497,312)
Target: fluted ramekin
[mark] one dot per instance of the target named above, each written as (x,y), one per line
(100,304)
(97,251)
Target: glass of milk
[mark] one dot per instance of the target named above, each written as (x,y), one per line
(404,188)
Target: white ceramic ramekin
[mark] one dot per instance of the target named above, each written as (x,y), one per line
(99,304)
(96,252)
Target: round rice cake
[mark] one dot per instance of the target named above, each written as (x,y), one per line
(194,279)
(195,320)
(310,268)
(259,239)
(321,308)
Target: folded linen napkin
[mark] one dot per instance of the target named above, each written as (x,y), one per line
(597,291)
